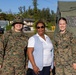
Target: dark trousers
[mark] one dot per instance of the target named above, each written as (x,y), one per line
(53,71)
(45,71)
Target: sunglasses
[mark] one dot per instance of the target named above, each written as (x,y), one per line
(40,27)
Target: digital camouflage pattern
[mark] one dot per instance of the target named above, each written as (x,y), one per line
(17,19)
(74,50)
(12,55)
(64,45)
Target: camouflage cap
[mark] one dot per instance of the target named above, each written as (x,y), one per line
(17,20)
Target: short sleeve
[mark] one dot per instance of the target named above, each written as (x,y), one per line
(31,42)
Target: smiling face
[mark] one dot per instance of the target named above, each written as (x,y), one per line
(40,29)
(18,27)
(62,25)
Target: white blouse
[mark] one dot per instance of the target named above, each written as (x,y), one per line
(47,49)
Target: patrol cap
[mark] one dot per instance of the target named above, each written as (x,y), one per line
(17,20)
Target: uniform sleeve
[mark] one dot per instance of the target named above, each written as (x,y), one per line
(3,43)
(55,49)
(31,42)
(1,49)
(73,45)
(74,49)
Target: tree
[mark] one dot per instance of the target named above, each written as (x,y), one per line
(24,9)
(53,16)
(2,16)
(10,17)
(30,12)
(47,15)
(0,10)
(20,9)
(35,9)
(8,27)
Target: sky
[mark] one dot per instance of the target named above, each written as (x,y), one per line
(13,5)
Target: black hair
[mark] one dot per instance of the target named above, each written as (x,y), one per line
(62,18)
(39,21)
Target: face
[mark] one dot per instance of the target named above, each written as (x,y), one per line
(40,29)
(18,27)
(62,25)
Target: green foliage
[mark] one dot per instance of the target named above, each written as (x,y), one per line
(2,16)
(50,24)
(35,10)
(34,26)
(0,10)
(8,27)
(10,17)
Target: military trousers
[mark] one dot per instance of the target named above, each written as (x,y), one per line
(65,70)
(13,70)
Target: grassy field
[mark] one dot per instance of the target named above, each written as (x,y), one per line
(49,33)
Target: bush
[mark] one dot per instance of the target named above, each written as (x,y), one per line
(8,27)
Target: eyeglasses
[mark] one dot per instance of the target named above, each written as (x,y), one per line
(40,27)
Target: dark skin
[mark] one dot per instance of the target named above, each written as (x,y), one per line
(30,50)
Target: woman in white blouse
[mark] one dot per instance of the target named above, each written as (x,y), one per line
(40,51)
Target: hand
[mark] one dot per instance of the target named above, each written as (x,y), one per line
(50,70)
(0,66)
(26,67)
(74,66)
(54,63)
(36,70)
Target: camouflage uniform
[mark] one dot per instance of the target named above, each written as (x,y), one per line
(74,50)
(64,44)
(12,55)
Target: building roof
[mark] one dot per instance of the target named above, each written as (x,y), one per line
(66,6)
(29,20)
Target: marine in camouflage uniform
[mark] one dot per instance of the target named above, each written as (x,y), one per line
(12,55)
(64,54)
(64,48)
